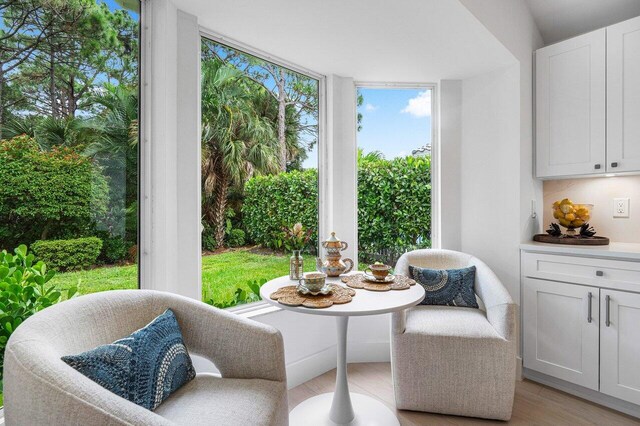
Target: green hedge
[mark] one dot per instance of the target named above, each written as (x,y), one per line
(64,255)
(273,202)
(45,195)
(394,206)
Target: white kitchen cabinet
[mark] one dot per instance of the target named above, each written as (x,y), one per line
(623,96)
(571,106)
(620,345)
(560,323)
(581,321)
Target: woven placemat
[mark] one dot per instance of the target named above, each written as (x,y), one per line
(358,281)
(289,296)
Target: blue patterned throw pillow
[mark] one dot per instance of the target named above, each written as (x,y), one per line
(448,287)
(145,367)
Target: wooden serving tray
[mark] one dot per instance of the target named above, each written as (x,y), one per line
(574,241)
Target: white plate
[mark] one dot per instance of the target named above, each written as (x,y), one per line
(388,279)
(324,290)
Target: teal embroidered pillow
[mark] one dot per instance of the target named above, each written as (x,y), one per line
(449,287)
(145,367)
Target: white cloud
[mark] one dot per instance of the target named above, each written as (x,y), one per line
(370,107)
(420,106)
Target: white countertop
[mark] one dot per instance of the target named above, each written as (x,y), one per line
(625,251)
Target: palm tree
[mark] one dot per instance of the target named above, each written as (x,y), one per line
(115,150)
(51,132)
(237,141)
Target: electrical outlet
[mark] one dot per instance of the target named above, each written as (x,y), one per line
(620,207)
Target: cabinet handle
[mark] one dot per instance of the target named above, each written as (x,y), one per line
(607,301)
(589,319)
(614,164)
(597,166)
(599,274)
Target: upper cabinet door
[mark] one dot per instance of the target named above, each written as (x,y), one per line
(570,106)
(623,96)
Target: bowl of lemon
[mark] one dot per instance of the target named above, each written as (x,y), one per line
(571,215)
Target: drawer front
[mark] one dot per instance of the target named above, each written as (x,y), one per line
(616,274)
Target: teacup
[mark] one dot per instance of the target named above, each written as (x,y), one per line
(313,281)
(378,270)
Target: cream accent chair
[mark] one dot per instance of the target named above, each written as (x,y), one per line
(452,360)
(40,389)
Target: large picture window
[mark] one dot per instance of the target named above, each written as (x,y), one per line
(394,172)
(259,172)
(68,150)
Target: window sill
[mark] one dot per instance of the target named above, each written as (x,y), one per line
(254,310)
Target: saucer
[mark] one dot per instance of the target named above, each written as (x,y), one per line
(324,290)
(388,279)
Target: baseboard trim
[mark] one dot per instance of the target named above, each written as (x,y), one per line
(312,366)
(584,393)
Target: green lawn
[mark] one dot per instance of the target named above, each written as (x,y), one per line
(222,274)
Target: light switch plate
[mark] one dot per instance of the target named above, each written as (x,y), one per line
(620,207)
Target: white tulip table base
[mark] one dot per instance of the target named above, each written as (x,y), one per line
(367,412)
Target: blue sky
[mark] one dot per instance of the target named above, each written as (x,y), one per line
(114,6)
(395,121)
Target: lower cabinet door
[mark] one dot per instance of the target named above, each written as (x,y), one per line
(560,323)
(620,345)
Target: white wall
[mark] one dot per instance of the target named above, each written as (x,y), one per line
(490,169)
(505,221)
(512,24)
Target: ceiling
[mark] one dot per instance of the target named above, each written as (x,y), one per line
(561,19)
(369,40)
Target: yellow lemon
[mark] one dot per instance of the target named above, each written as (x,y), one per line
(577,222)
(566,208)
(564,222)
(566,201)
(556,204)
(582,211)
(570,216)
(557,214)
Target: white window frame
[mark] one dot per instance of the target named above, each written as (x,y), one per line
(435,148)
(261,307)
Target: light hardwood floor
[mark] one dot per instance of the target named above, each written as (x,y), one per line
(534,404)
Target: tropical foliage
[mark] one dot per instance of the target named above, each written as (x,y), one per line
(258,119)
(25,291)
(237,141)
(47,194)
(68,123)
(293,198)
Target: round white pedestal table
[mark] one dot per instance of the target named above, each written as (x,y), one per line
(341,407)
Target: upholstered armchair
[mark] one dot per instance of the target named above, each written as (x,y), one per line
(454,360)
(40,389)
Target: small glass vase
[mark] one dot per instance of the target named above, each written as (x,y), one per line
(296,265)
